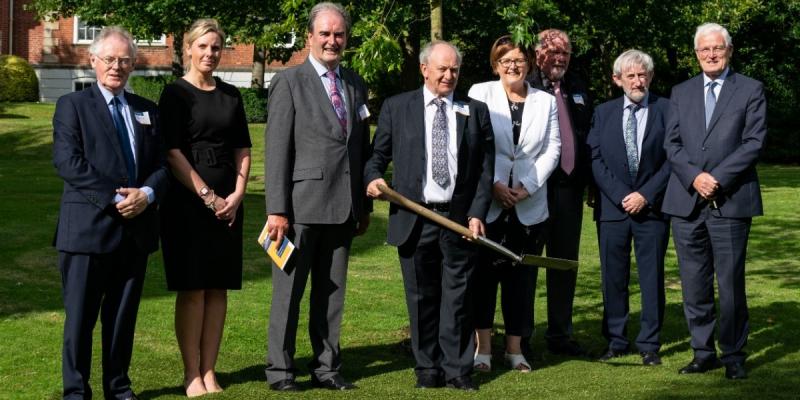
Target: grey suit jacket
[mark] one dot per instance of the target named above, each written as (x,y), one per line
(728,149)
(314,174)
(400,138)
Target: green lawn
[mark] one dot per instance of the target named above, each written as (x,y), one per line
(373,331)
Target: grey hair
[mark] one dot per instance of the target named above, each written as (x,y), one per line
(709,28)
(328,6)
(109,31)
(425,53)
(633,57)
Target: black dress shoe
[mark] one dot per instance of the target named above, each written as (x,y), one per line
(735,370)
(698,366)
(612,353)
(335,382)
(566,348)
(462,383)
(286,385)
(650,358)
(429,382)
(132,397)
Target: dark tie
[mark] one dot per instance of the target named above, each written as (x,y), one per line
(565,125)
(124,141)
(631,145)
(336,100)
(711,102)
(440,137)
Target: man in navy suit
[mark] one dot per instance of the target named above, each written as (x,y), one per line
(110,155)
(630,169)
(443,155)
(715,132)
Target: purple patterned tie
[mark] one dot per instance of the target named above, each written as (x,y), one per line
(567,142)
(336,100)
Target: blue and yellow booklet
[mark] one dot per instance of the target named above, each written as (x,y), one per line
(278,252)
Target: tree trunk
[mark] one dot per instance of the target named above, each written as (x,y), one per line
(259,55)
(409,76)
(436,20)
(177,54)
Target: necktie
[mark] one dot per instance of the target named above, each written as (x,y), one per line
(631,145)
(565,125)
(336,100)
(124,141)
(711,102)
(440,136)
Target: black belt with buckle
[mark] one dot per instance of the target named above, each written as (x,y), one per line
(440,207)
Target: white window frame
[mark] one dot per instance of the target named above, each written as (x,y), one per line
(82,81)
(290,43)
(161,41)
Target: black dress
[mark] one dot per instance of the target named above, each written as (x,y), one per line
(200,251)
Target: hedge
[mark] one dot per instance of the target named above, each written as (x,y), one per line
(18,80)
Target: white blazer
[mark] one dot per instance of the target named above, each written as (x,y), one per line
(536,155)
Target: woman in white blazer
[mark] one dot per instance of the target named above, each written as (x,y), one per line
(527,147)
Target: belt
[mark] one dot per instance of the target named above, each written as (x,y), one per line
(440,207)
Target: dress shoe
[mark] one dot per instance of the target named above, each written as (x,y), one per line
(335,382)
(612,353)
(566,348)
(735,370)
(698,366)
(462,383)
(429,382)
(286,385)
(133,395)
(650,358)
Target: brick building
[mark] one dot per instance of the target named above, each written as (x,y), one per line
(59,52)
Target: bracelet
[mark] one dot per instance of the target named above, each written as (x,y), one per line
(211,204)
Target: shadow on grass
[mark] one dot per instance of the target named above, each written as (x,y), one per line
(13,116)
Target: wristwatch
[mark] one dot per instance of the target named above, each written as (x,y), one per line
(204,191)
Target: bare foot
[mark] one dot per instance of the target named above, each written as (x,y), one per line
(210,381)
(194,387)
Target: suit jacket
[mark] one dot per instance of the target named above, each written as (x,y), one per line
(579,105)
(610,160)
(728,149)
(314,174)
(535,156)
(400,137)
(88,157)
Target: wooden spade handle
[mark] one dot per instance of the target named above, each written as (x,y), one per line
(399,199)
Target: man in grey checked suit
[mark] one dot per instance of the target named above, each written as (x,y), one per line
(317,141)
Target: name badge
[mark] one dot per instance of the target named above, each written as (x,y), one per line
(363,112)
(578,99)
(461,108)
(142,117)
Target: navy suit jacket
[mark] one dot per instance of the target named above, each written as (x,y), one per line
(88,157)
(610,160)
(400,137)
(728,149)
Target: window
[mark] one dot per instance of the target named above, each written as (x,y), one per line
(84,33)
(77,86)
(288,41)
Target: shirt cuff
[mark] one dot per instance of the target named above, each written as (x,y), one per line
(151,196)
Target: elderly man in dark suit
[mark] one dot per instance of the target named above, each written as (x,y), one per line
(110,155)
(565,187)
(317,141)
(715,132)
(443,156)
(630,169)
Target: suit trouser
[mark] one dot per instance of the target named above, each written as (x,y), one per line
(650,237)
(707,244)
(321,251)
(516,281)
(111,285)
(562,238)
(437,275)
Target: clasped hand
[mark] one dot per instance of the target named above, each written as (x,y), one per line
(508,197)
(706,185)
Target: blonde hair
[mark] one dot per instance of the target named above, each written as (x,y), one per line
(201,27)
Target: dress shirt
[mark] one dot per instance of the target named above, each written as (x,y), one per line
(432,192)
(641,122)
(720,80)
(322,72)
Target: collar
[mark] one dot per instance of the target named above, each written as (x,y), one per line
(720,80)
(108,96)
(428,97)
(322,69)
(642,104)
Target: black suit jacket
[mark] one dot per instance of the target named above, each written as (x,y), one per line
(400,137)
(610,160)
(728,149)
(88,157)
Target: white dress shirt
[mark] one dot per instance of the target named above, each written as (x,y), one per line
(432,192)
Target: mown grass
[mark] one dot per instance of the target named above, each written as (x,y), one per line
(373,332)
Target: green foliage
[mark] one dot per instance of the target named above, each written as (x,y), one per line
(150,87)
(18,80)
(255,104)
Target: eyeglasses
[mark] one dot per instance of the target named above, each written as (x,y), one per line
(121,61)
(705,51)
(506,62)
(553,53)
